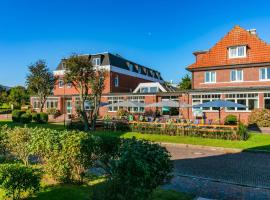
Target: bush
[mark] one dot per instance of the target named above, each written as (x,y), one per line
(36,117)
(259,117)
(230,120)
(122,113)
(19,143)
(44,118)
(17,180)
(242,131)
(40,118)
(139,168)
(53,111)
(16,115)
(26,118)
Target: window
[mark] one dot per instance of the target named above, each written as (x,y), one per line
(210,77)
(153,89)
(130,66)
(51,104)
(36,104)
(136,99)
(264,73)
(114,100)
(237,52)
(69,85)
(139,70)
(198,99)
(144,90)
(61,83)
(236,75)
(251,100)
(116,81)
(96,61)
(63,65)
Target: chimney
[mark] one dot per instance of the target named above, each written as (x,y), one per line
(252,31)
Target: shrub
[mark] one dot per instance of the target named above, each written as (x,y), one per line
(230,120)
(17,180)
(141,166)
(72,155)
(16,115)
(242,131)
(26,118)
(44,118)
(53,111)
(259,117)
(36,117)
(19,140)
(122,113)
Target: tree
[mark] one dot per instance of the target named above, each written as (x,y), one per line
(18,96)
(185,83)
(40,81)
(89,82)
(3,97)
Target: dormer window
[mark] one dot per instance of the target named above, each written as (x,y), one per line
(63,65)
(130,66)
(238,52)
(96,61)
(139,70)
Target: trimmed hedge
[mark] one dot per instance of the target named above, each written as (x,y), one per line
(194,131)
(16,115)
(230,120)
(40,118)
(26,118)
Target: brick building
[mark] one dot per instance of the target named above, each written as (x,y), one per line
(122,79)
(237,68)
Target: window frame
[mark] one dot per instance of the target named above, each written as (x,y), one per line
(116,81)
(95,63)
(265,74)
(210,76)
(236,75)
(237,51)
(61,83)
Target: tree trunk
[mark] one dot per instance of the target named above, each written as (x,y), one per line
(84,117)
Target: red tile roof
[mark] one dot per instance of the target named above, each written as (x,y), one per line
(258,51)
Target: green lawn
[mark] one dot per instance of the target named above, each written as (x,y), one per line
(83,192)
(255,141)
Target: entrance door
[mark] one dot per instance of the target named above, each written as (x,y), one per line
(69,106)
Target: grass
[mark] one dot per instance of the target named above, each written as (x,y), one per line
(83,192)
(255,142)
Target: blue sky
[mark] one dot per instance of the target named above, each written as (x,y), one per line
(157,33)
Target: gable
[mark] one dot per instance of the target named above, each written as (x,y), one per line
(258,51)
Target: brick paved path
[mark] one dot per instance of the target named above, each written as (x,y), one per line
(242,175)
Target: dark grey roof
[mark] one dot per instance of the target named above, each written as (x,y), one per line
(118,61)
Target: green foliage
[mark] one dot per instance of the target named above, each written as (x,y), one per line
(40,81)
(230,120)
(17,180)
(4,140)
(5,110)
(26,118)
(18,96)
(259,117)
(138,170)
(185,83)
(36,117)
(53,111)
(122,113)
(43,117)
(242,131)
(19,143)
(172,129)
(16,115)
(66,154)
